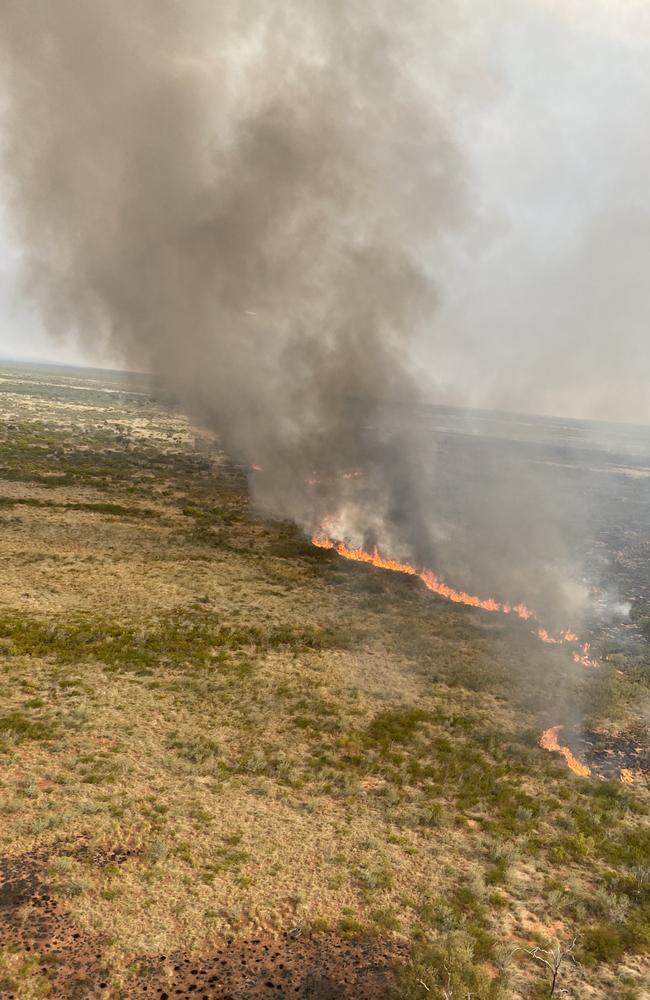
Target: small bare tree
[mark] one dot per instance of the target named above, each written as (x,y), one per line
(553,958)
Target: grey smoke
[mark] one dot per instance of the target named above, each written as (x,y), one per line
(240,198)
(244,219)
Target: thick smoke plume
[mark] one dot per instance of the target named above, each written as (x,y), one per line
(239,196)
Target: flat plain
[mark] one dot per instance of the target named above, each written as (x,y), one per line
(235,765)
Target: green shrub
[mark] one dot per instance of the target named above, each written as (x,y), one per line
(385,920)
(16,727)
(350,926)
(396,726)
(448,964)
(602,943)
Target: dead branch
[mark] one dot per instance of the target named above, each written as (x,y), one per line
(553,958)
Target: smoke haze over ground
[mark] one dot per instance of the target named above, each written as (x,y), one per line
(238,197)
(261,203)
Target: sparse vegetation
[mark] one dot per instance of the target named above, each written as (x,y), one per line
(279,739)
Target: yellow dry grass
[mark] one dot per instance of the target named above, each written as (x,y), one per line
(352,757)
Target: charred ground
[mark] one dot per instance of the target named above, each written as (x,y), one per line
(234,765)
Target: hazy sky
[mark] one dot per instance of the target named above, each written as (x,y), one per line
(544,293)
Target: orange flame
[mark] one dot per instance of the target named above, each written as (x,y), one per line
(545,636)
(548,741)
(582,656)
(432,582)
(428,578)
(627,776)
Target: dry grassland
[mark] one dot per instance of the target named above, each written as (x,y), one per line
(271,740)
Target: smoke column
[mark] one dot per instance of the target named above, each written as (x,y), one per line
(238,197)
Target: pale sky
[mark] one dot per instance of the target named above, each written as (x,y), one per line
(545,297)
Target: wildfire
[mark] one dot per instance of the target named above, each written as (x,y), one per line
(546,636)
(582,656)
(428,578)
(433,583)
(548,741)
(566,636)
